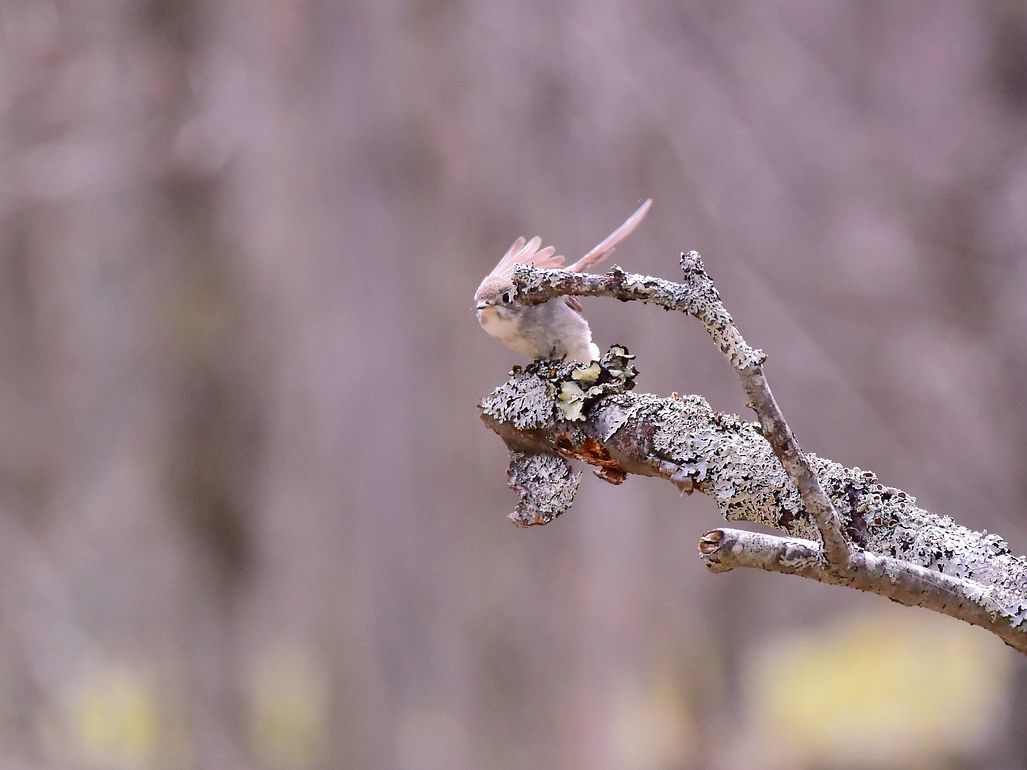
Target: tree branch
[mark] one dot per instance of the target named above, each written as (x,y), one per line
(725,549)
(698,296)
(549,412)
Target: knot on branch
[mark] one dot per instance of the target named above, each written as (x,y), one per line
(544,484)
(546,390)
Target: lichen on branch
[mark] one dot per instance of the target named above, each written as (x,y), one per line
(697,296)
(544,484)
(683,440)
(843,525)
(544,392)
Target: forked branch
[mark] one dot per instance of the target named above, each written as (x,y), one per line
(698,296)
(874,537)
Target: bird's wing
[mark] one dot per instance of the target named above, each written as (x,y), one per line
(605,247)
(523,252)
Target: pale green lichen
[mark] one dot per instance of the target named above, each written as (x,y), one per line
(527,400)
(588,374)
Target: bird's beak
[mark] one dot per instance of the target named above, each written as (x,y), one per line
(481,306)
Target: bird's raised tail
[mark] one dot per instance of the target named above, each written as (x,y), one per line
(609,243)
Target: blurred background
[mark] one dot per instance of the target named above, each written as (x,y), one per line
(248,514)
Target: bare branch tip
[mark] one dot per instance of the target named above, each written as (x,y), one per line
(710,542)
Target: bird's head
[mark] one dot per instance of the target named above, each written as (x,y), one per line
(495,299)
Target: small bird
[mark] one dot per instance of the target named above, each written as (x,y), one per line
(552,329)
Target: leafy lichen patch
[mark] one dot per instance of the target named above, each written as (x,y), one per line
(545,486)
(527,399)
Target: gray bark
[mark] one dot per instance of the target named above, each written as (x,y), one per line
(883,542)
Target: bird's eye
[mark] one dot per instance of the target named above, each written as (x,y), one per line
(506,298)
